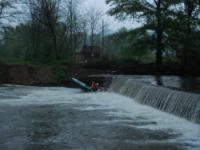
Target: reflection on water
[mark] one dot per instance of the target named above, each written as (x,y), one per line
(190,84)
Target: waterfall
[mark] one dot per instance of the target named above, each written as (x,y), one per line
(182,104)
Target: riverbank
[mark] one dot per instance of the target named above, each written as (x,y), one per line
(60,76)
(47,75)
(24,75)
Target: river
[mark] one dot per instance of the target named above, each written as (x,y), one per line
(57,118)
(188,84)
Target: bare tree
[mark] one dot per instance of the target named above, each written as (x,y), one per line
(35,29)
(45,14)
(54,24)
(73,22)
(94,20)
(84,28)
(104,32)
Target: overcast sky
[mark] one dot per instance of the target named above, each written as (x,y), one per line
(113,23)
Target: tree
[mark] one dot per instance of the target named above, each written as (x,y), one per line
(73,22)
(45,16)
(183,32)
(104,33)
(154,14)
(53,29)
(191,13)
(94,17)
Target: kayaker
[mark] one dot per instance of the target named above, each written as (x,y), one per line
(94,86)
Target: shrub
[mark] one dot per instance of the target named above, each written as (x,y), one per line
(59,73)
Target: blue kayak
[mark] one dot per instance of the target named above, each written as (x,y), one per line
(81,85)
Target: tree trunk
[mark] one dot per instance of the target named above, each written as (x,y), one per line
(54,39)
(92,41)
(159,53)
(189,6)
(159,44)
(186,48)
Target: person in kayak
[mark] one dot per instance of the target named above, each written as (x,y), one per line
(94,86)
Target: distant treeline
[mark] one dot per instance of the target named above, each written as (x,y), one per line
(47,31)
(53,30)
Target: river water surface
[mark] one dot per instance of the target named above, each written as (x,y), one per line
(56,118)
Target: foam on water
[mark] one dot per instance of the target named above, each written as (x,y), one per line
(39,95)
(182,104)
(124,106)
(127,107)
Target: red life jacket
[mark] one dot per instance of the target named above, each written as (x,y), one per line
(94,87)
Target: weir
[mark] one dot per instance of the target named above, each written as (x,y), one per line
(182,104)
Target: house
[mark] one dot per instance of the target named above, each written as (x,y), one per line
(88,53)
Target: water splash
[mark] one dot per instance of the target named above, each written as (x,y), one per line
(182,104)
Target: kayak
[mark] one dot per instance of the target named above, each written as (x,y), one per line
(81,85)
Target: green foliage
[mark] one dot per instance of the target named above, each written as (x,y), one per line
(134,44)
(174,26)
(18,45)
(154,15)
(2,62)
(170,27)
(59,73)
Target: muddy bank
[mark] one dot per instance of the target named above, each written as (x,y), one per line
(48,76)
(27,75)
(60,76)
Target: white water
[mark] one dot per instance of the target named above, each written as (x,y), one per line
(182,104)
(129,108)
(126,108)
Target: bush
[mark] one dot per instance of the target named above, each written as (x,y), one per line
(59,73)
(2,62)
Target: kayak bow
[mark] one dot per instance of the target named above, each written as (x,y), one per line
(81,85)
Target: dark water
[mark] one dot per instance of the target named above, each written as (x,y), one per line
(189,84)
(33,118)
